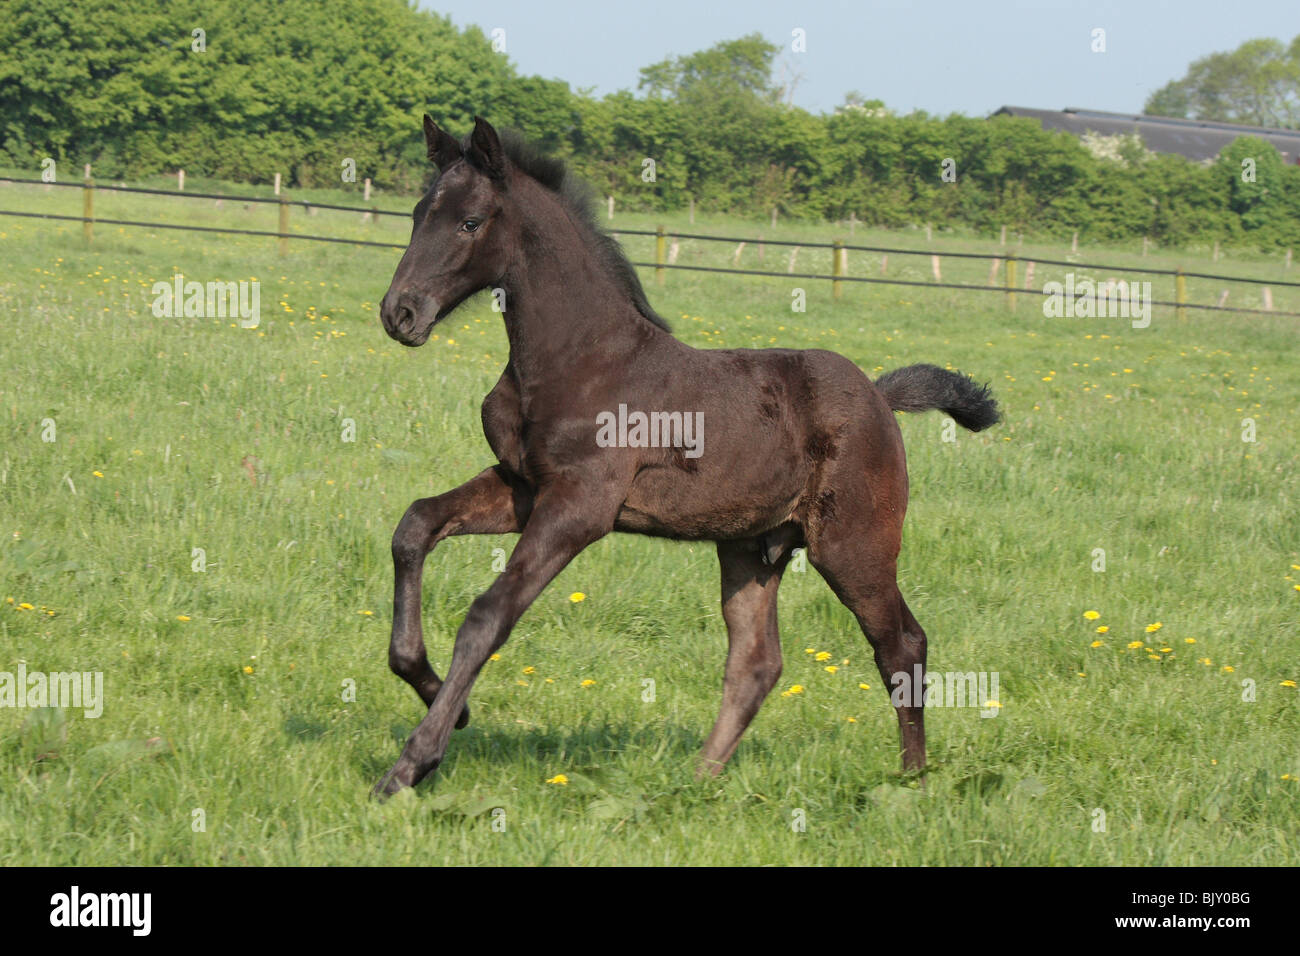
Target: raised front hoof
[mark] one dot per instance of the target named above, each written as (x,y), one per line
(463,720)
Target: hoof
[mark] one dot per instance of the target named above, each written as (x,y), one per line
(388,784)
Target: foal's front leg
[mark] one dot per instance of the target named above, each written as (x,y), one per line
(562,523)
(493,502)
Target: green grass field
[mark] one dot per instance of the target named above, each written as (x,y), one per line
(248,707)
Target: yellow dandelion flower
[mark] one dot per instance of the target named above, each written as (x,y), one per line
(1097,644)
(1102,629)
(248,669)
(1152,628)
(1189,640)
(1134,645)
(810,650)
(851,720)
(495,657)
(794,689)
(864,687)
(823,656)
(588,683)
(367,613)
(1091,615)
(25,607)
(994,704)
(1166,650)
(1288,683)
(98,474)
(831,668)
(559,779)
(530,669)
(182,617)
(1228,668)
(577,597)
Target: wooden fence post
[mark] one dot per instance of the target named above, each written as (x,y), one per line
(284,225)
(660,240)
(88,209)
(1180,293)
(837,268)
(1011,281)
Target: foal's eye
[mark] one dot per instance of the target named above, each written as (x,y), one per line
(469,225)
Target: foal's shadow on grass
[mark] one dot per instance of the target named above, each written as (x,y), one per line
(298,727)
(586,745)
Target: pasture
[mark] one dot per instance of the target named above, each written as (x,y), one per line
(256,691)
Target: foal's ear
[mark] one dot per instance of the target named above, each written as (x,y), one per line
(443,149)
(485,152)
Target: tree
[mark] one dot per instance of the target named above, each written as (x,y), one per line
(1257,83)
(742,66)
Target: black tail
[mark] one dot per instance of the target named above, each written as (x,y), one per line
(919,388)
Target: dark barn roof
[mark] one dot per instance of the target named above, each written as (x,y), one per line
(1195,139)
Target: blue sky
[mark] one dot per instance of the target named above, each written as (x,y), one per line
(942,56)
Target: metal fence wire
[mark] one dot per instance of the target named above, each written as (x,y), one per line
(660,235)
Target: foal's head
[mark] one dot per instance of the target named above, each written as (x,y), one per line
(462,240)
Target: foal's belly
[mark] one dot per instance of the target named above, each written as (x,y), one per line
(668,503)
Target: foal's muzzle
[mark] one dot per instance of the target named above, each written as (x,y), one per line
(408,316)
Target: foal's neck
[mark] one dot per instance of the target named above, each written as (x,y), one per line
(564,309)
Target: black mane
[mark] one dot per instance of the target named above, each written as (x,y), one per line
(579,199)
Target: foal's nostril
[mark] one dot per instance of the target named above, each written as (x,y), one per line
(397,313)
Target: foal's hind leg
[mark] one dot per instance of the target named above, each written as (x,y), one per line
(859,564)
(489,503)
(754,647)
